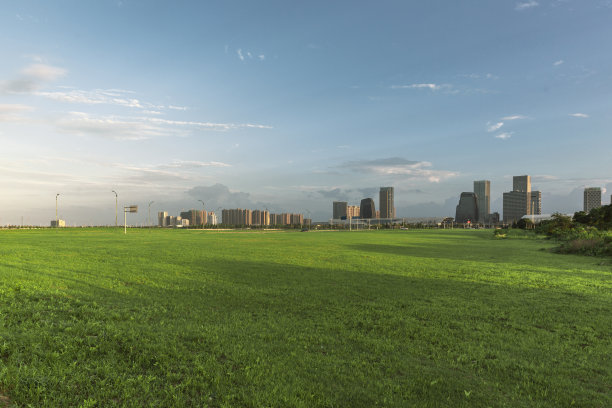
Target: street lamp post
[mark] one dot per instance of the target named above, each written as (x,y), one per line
(149,222)
(56,216)
(203,209)
(115,207)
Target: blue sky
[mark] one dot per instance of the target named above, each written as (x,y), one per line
(269,104)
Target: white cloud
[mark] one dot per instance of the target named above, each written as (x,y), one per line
(207,125)
(190,164)
(110,127)
(495,126)
(396,166)
(504,136)
(140,128)
(433,87)
(261,57)
(579,115)
(514,117)
(43,72)
(13,112)
(557,63)
(94,97)
(32,78)
(181,108)
(526,5)
(239,52)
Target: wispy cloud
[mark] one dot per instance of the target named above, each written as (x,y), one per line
(94,97)
(13,112)
(140,128)
(190,164)
(181,108)
(557,63)
(492,127)
(240,55)
(526,5)
(433,87)
(110,127)
(579,115)
(514,117)
(504,136)
(32,78)
(397,166)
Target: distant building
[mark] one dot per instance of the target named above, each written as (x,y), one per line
(367,208)
(387,208)
(517,202)
(211,218)
(236,216)
(352,211)
(592,198)
(261,217)
(492,219)
(340,209)
(195,217)
(536,203)
(58,223)
(467,209)
(482,189)
(161,218)
(286,219)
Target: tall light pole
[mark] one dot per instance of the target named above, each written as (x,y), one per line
(149,222)
(115,207)
(203,208)
(56,216)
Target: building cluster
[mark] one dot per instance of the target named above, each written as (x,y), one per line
(475,207)
(239,216)
(186,218)
(367,209)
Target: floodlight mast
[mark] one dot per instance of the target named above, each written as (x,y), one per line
(115,207)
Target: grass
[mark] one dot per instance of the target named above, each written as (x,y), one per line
(331,319)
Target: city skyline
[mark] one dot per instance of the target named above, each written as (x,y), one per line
(293,106)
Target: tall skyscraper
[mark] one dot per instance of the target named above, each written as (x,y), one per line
(592,198)
(367,208)
(339,209)
(387,209)
(521,183)
(482,188)
(518,201)
(467,209)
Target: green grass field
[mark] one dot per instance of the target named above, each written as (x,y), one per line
(283,319)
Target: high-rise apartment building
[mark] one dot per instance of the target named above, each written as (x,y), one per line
(352,211)
(340,209)
(236,216)
(211,218)
(367,208)
(195,217)
(261,217)
(385,202)
(592,198)
(482,189)
(467,209)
